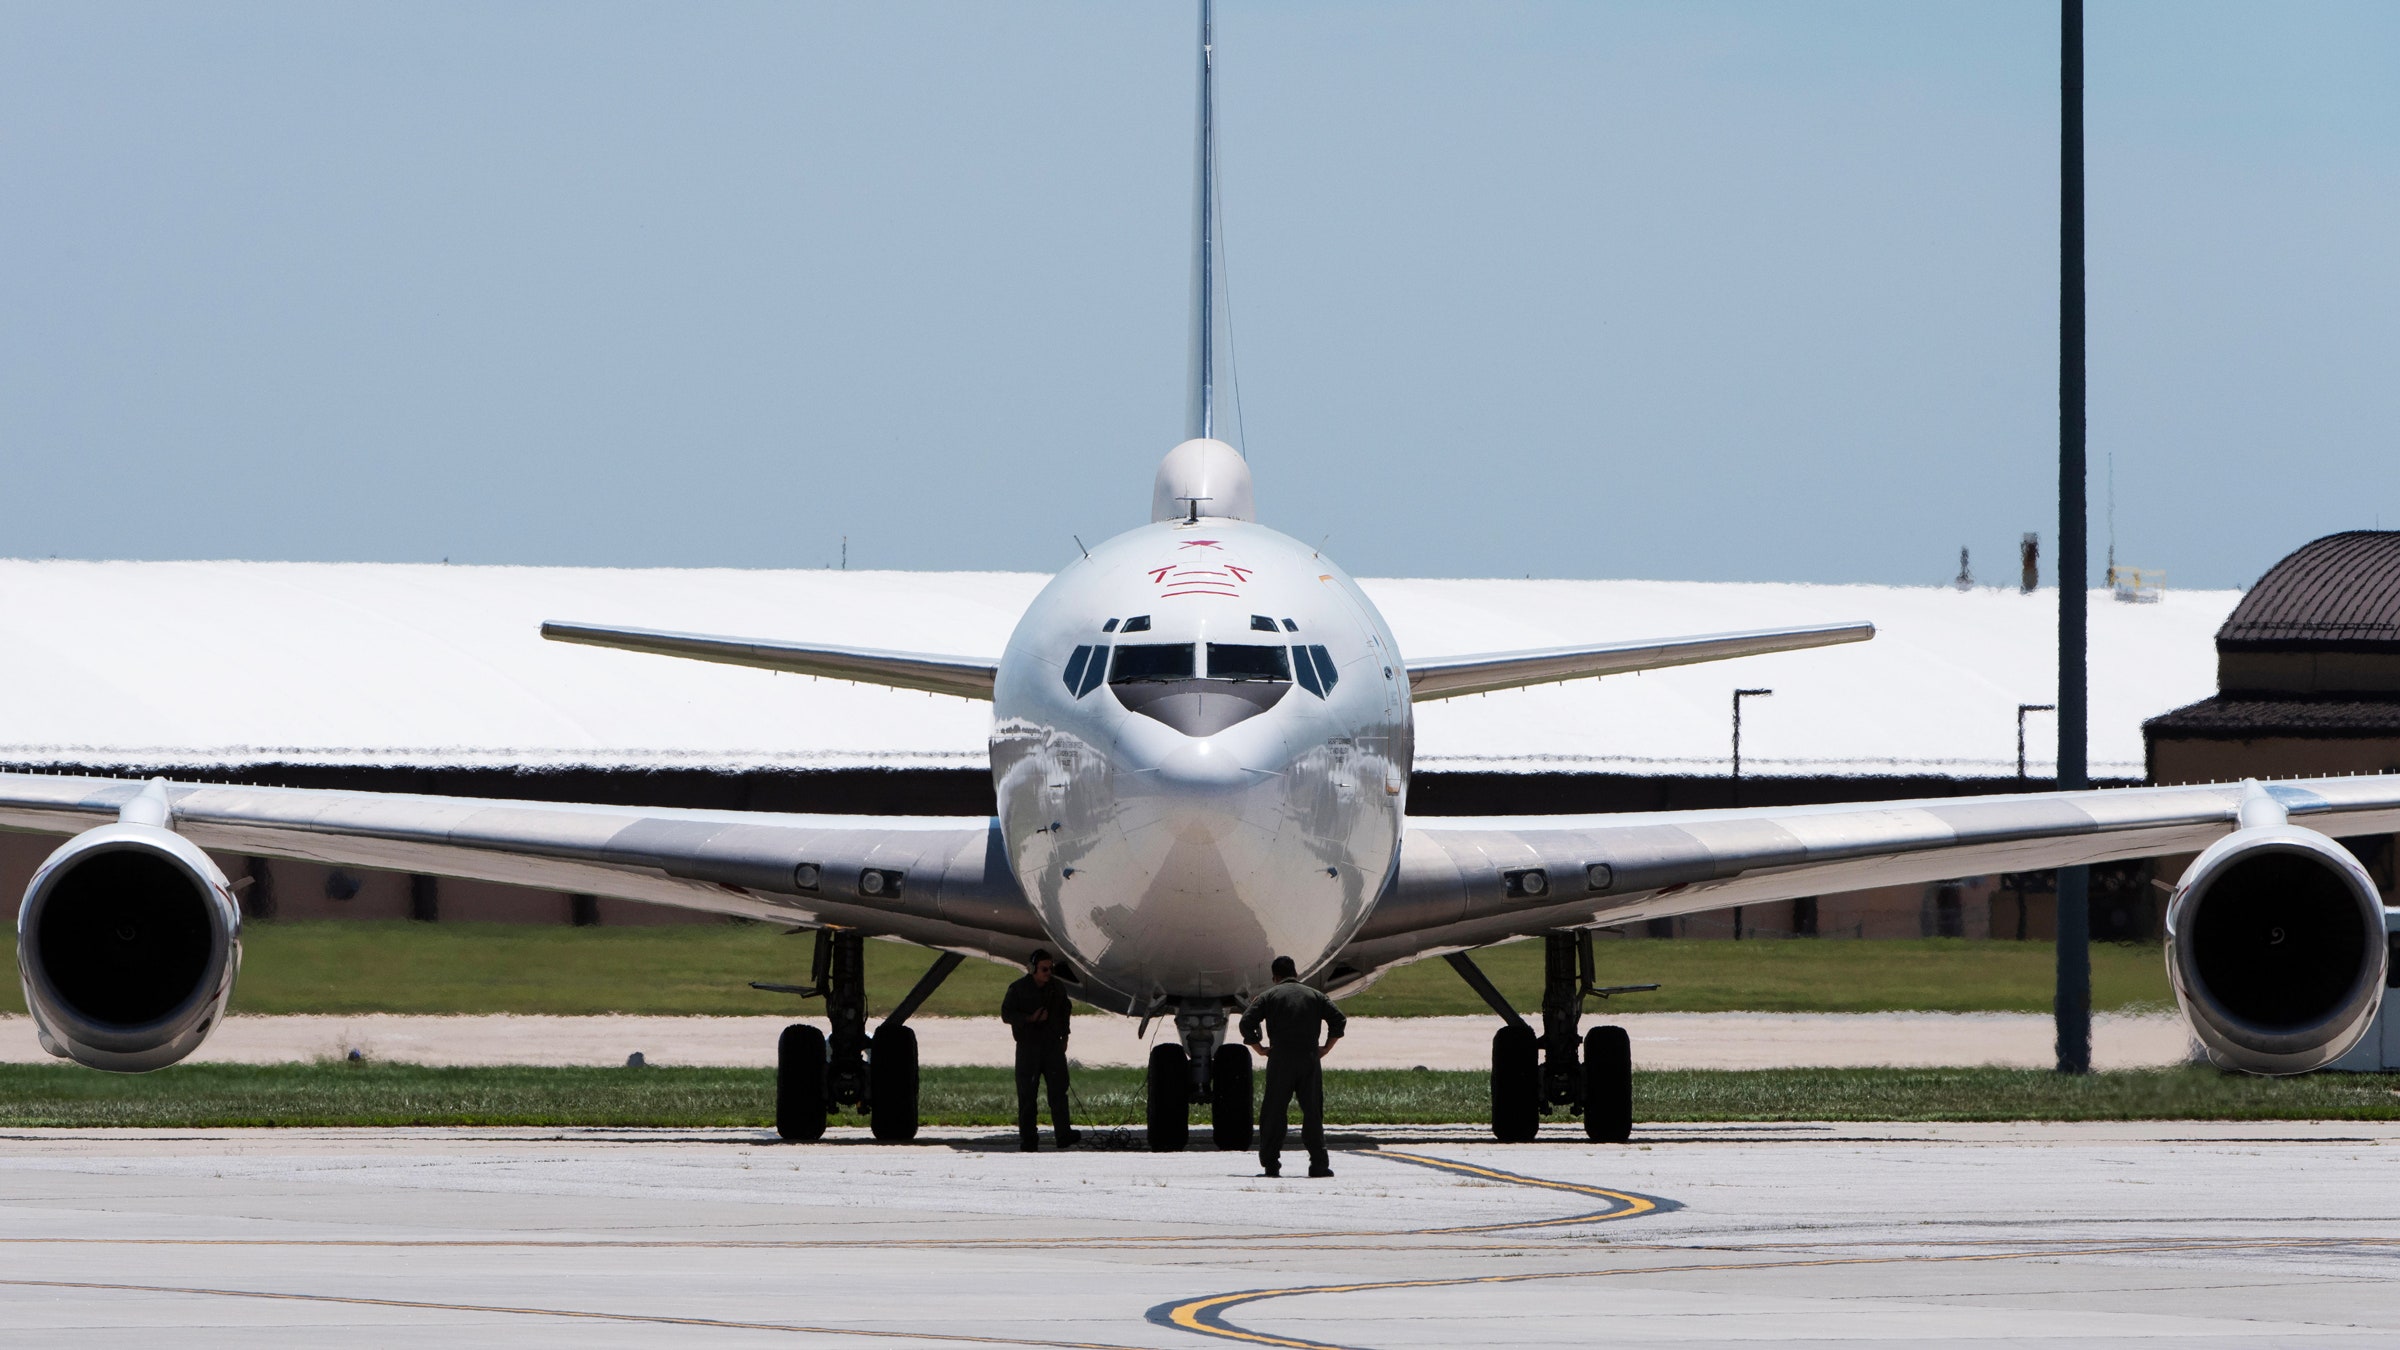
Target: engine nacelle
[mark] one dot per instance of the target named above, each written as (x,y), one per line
(2275,944)
(128,943)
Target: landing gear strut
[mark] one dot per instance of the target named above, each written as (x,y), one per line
(845,984)
(1202,1066)
(1590,1075)
(816,1074)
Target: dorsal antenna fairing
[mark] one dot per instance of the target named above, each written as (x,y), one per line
(1200,421)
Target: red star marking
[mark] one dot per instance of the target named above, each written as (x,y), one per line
(1201,543)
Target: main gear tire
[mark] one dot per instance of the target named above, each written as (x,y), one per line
(800,1084)
(1516,1085)
(1607,1085)
(1169,1113)
(892,1084)
(1229,1104)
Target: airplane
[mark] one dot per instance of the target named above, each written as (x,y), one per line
(1201,750)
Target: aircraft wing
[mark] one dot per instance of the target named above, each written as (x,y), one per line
(937,880)
(1468,882)
(964,676)
(1453,676)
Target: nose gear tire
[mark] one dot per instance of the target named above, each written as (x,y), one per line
(1229,1110)
(1170,1099)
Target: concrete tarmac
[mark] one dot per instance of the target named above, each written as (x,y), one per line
(2090,1235)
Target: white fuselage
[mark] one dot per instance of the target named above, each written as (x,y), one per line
(1189,799)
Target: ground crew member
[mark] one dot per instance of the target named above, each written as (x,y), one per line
(1037,1012)
(1291,1013)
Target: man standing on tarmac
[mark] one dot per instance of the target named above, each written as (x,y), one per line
(1037,1011)
(1292,1012)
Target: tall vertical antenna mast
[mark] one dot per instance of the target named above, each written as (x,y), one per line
(1202,416)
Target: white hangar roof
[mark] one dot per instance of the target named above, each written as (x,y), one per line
(220,664)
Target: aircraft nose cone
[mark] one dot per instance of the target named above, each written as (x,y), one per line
(1202,768)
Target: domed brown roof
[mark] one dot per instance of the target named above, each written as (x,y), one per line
(2341,592)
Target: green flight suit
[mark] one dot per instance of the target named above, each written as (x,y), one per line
(1041,1053)
(1292,1014)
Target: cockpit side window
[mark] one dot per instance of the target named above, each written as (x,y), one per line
(1076,664)
(1260,623)
(1241,661)
(1093,672)
(1290,627)
(1325,670)
(1151,661)
(1109,627)
(1139,623)
(1306,668)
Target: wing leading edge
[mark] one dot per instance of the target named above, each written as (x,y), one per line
(1452,677)
(1468,882)
(963,676)
(935,880)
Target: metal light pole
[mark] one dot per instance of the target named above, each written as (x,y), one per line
(1738,696)
(2072,1004)
(2022,709)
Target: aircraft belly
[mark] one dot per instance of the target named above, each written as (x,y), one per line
(1196,908)
(1166,895)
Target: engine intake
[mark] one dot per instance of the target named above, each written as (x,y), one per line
(127,943)
(2275,944)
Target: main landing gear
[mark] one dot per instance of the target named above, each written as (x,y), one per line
(1199,1066)
(876,1074)
(1531,1074)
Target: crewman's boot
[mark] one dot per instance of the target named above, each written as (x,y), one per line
(1029,1143)
(1271,1166)
(1068,1136)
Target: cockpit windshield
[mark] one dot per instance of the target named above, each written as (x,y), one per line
(1241,661)
(1140,661)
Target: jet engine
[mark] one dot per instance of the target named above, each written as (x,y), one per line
(127,943)
(2275,944)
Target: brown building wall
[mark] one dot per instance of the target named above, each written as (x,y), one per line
(2197,760)
(1962,908)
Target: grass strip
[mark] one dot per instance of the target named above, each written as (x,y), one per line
(402,967)
(377,1094)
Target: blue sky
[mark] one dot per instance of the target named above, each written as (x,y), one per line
(1718,291)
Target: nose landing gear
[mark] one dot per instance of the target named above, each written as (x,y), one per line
(1200,1067)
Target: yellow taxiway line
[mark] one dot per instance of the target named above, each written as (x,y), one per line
(1207,1315)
